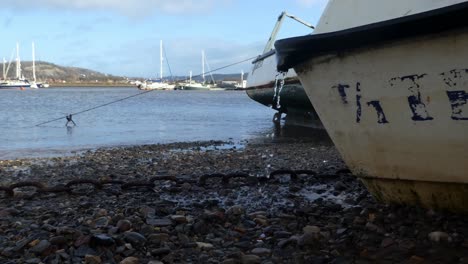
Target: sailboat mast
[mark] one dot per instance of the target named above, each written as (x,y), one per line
(161,60)
(4,69)
(203,64)
(34,62)
(190,76)
(18,65)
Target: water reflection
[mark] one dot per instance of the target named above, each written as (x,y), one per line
(70,130)
(159,117)
(289,133)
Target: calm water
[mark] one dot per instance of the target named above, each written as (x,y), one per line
(157,117)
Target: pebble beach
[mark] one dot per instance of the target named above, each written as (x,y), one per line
(324,218)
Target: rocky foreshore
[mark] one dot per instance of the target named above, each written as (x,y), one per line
(326,218)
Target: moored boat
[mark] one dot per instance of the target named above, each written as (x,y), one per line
(195,86)
(14,84)
(389,80)
(20,82)
(159,84)
(203,86)
(286,94)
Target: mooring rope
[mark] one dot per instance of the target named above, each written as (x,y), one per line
(135,95)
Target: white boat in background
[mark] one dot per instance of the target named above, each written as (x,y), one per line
(43,85)
(286,96)
(389,80)
(14,84)
(199,86)
(159,84)
(20,82)
(243,83)
(35,83)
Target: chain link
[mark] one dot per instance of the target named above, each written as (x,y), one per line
(72,186)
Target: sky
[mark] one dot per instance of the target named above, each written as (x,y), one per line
(121,37)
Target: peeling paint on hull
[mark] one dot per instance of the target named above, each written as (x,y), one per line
(437,195)
(398,113)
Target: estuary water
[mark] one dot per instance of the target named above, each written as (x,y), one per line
(155,117)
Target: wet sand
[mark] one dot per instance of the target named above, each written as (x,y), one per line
(327,218)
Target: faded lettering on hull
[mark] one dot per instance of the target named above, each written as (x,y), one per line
(380,113)
(458,99)
(358,103)
(417,106)
(342,91)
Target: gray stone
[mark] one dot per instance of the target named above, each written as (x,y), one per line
(307,239)
(261,251)
(83,250)
(230,261)
(386,242)
(92,259)
(180,219)
(33,261)
(160,251)
(101,222)
(58,240)
(311,229)
(157,239)
(124,225)
(134,238)
(101,240)
(130,260)
(42,246)
(251,259)
(371,227)
(23,242)
(159,222)
(235,210)
(282,234)
(203,245)
(7,252)
(341,231)
(183,239)
(438,236)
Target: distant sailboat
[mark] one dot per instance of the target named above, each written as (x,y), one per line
(200,86)
(19,82)
(35,82)
(157,84)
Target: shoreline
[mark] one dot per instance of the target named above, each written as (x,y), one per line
(328,218)
(89,85)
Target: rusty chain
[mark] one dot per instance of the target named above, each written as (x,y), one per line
(149,184)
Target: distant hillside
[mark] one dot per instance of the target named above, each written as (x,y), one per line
(55,73)
(52,73)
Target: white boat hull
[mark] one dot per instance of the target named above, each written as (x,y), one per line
(156,86)
(398,114)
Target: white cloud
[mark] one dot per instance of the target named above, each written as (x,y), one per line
(127,7)
(312,3)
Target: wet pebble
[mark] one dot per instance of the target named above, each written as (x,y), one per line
(101,240)
(124,225)
(134,238)
(41,247)
(274,222)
